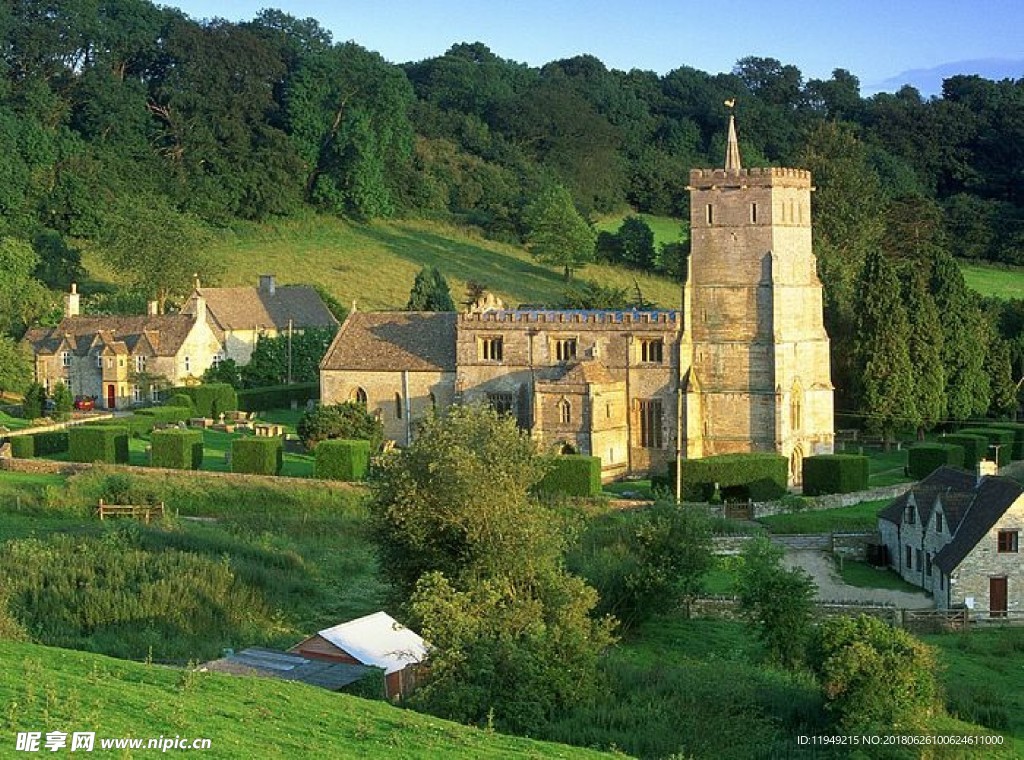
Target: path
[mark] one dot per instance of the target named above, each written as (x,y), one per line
(831,587)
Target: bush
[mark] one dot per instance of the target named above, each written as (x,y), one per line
(924,458)
(98,444)
(211,399)
(758,476)
(136,424)
(63,401)
(181,400)
(177,449)
(994,436)
(166,413)
(277,396)
(572,475)
(974,446)
(33,401)
(259,456)
(835,473)
(22,447)
(1017,450)
(349,421)
(342,460)
(52,442)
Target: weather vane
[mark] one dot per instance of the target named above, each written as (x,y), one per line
(730,103)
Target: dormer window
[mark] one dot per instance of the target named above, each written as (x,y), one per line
(140,363)
(938,522)
(99,361)
(908,515)
(65,358)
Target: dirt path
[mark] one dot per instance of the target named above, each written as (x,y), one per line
(831,587)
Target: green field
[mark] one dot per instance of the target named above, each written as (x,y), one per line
(666,229)
(989,280)
(863,516)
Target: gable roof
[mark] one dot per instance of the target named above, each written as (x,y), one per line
(246,308)
(418,341)
(991,500)
(378,640)
(943,481)
(165,332)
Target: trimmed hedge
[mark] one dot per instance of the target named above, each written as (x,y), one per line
(338,459)
(137,425)
(925,458)
(975,447)
(211,399)
(259,456)
(997,436)
(571,475)
(166,413)
(177,449)
(181,399)
(835,473)
(98,444)
(1017,450)
(761,476)
(277,396)
(22,446)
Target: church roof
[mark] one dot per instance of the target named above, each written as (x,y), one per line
(418,341)
(589,372)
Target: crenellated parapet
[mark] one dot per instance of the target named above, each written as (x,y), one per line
(528,318)
(711,179)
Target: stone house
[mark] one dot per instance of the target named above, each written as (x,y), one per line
(955,534)
(126,360)
(742,366)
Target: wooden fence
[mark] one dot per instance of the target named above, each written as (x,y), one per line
(144,512)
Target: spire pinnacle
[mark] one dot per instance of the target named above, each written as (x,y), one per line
(732,150)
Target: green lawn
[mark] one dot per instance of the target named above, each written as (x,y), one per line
(863,575)
(863,516)
(991,280)
(13,423)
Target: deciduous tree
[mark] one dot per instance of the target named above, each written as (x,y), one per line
(556,233)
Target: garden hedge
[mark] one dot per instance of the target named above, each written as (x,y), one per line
(259,456)
(995,436)
(975,447)
(277,396)
(572,475)
(166,413)
(211,399)
(22,447)
(98,444)
(50,442)
(925,458)
(1017,449)
(177,449)
(181,399)
(835,473)
(760,476)
(338,459)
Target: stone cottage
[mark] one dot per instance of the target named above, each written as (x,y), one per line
(956,535)
(742,366)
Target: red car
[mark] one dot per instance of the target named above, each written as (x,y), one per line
(85,403)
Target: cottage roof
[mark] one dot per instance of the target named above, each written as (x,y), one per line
(417,341)
(944,480)
(256,661)
(246,308)
(378,640)
(121,333)
(993,496)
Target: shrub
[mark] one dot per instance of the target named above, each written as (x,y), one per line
(924,458)
(277,396)
(349,421)
(1017,450)
(342,460)
(52,442)
(974,446)
(98,444)
(835,473)
(759,476)
(259,456)
(181,400)
(177,449)
(33,401)
(63,401)
(22,447)
(572,475)
(210,399)
(166,413)
(994,436)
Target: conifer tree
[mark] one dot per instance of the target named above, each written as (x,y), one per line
(430,292)
(925,349)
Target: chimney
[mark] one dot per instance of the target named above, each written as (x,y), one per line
(199,307)
(72,304)
(268,284)
(152,308)
(986,467)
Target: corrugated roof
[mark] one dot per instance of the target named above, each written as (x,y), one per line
(245,308)
(418,341)
(256,661)
(378,640)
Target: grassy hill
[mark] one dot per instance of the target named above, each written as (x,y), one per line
(989,280)
(48,689)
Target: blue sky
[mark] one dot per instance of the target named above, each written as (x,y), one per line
(883,42)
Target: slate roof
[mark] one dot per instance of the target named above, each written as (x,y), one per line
(256,661)
(378,640)
(418,341)
(165,332)
(245,308)
(970,508)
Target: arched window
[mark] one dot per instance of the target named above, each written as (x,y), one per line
(564,412)
(358,395)
(398,406)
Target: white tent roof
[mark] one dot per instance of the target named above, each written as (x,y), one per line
(378,640)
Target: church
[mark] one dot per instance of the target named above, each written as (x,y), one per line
(742,366)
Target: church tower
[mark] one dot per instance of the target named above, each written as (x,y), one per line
(755,354)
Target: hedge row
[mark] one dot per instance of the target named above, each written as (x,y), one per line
(166,413)
(572,475)
(98,444)
(22,447)
(925,458)
(39,444)
(277,396)
(338,459)
(177,449)
(835,473)
(211,399)
(1017,449)
(259,456)
(975,447)
(759,476)
(995,436)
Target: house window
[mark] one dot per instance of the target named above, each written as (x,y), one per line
(928,564)
(490,349)
(140,363)
(942,581)
(503,403)
(710,214)
(136,394)
(909,557)
(188,364)
(1007,541)
(110,362)
(217,359)
(908,515)
(650,423)
(358,395)
(564,412)
(398,406)
(65,358)
(154,393)
(652,351)
(564,349)
(917,559)
(938,522)
(99,361)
